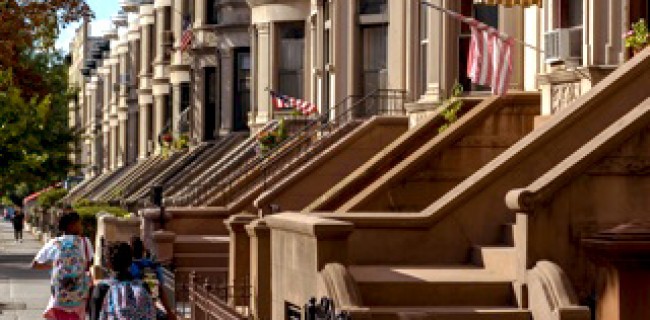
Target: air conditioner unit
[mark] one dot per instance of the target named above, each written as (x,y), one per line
(563,45)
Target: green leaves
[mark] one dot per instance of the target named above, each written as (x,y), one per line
(34,136)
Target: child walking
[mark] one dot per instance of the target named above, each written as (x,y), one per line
(122,297)
(69,257)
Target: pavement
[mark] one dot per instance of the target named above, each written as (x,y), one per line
(24,293)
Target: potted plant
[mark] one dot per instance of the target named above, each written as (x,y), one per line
(637,37)
(270,139)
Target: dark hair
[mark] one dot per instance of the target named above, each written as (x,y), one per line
(138,247)
(119,258)
(67,219)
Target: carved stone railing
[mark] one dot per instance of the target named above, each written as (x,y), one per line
(551,296)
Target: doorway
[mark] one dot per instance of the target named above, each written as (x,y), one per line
(242,81)
(210,104)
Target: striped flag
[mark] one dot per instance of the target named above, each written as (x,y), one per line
(489,61)
(188,36)
(282,102)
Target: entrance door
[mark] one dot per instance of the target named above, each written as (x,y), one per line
(243,89)
(210,104)
(375,57)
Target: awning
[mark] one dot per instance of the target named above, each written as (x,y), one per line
(510,3)
(35,195)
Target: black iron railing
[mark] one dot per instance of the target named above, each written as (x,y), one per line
(258,172)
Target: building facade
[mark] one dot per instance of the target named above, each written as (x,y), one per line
(398,183)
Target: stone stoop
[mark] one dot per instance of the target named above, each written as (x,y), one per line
(246,189)
(231,158)
(203,162)
(203,254)
(481,289)
(312,173)
(428,172)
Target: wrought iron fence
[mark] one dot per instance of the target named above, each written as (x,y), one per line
(207,296)
(176,288)
(212,298)
(323,310)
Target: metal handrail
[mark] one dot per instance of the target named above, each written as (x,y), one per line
(295,144)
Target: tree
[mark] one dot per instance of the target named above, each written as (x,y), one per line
(33,25)
(35,140)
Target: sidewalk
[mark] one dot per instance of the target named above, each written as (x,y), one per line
(20,287)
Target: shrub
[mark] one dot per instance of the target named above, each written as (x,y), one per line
(88,211)
(50,198)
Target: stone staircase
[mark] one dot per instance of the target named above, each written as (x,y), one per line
(120,185)
(204,254)
(386,159)
(483,288)
(203,162)
(238,191)
(166,171)
(295,183)
(201,182)
(448,158)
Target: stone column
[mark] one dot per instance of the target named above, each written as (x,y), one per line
(260,268)
(145,97)
(623,253)
(160,80)
(239,264)
(438,44)
(123,107)
(263,73)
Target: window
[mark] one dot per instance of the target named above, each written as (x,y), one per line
(570,13)
(167,11)
(152,48)
(373,6)
(212,8)
(291,63)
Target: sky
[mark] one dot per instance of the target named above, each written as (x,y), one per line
(103,10)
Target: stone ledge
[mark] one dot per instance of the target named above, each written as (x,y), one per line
(309,225)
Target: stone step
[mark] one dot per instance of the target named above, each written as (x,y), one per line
(445,313)
(407,286)
(201,244)
(201,260)
(497,259)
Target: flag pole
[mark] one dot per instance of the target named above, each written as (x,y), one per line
(467,20)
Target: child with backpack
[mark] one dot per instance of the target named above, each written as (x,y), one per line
(69,258)
(150,272)
(122,297)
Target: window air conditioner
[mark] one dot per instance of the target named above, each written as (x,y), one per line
(563,45)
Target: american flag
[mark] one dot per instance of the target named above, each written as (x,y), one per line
(188,35)
(281,102)
(489,61)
